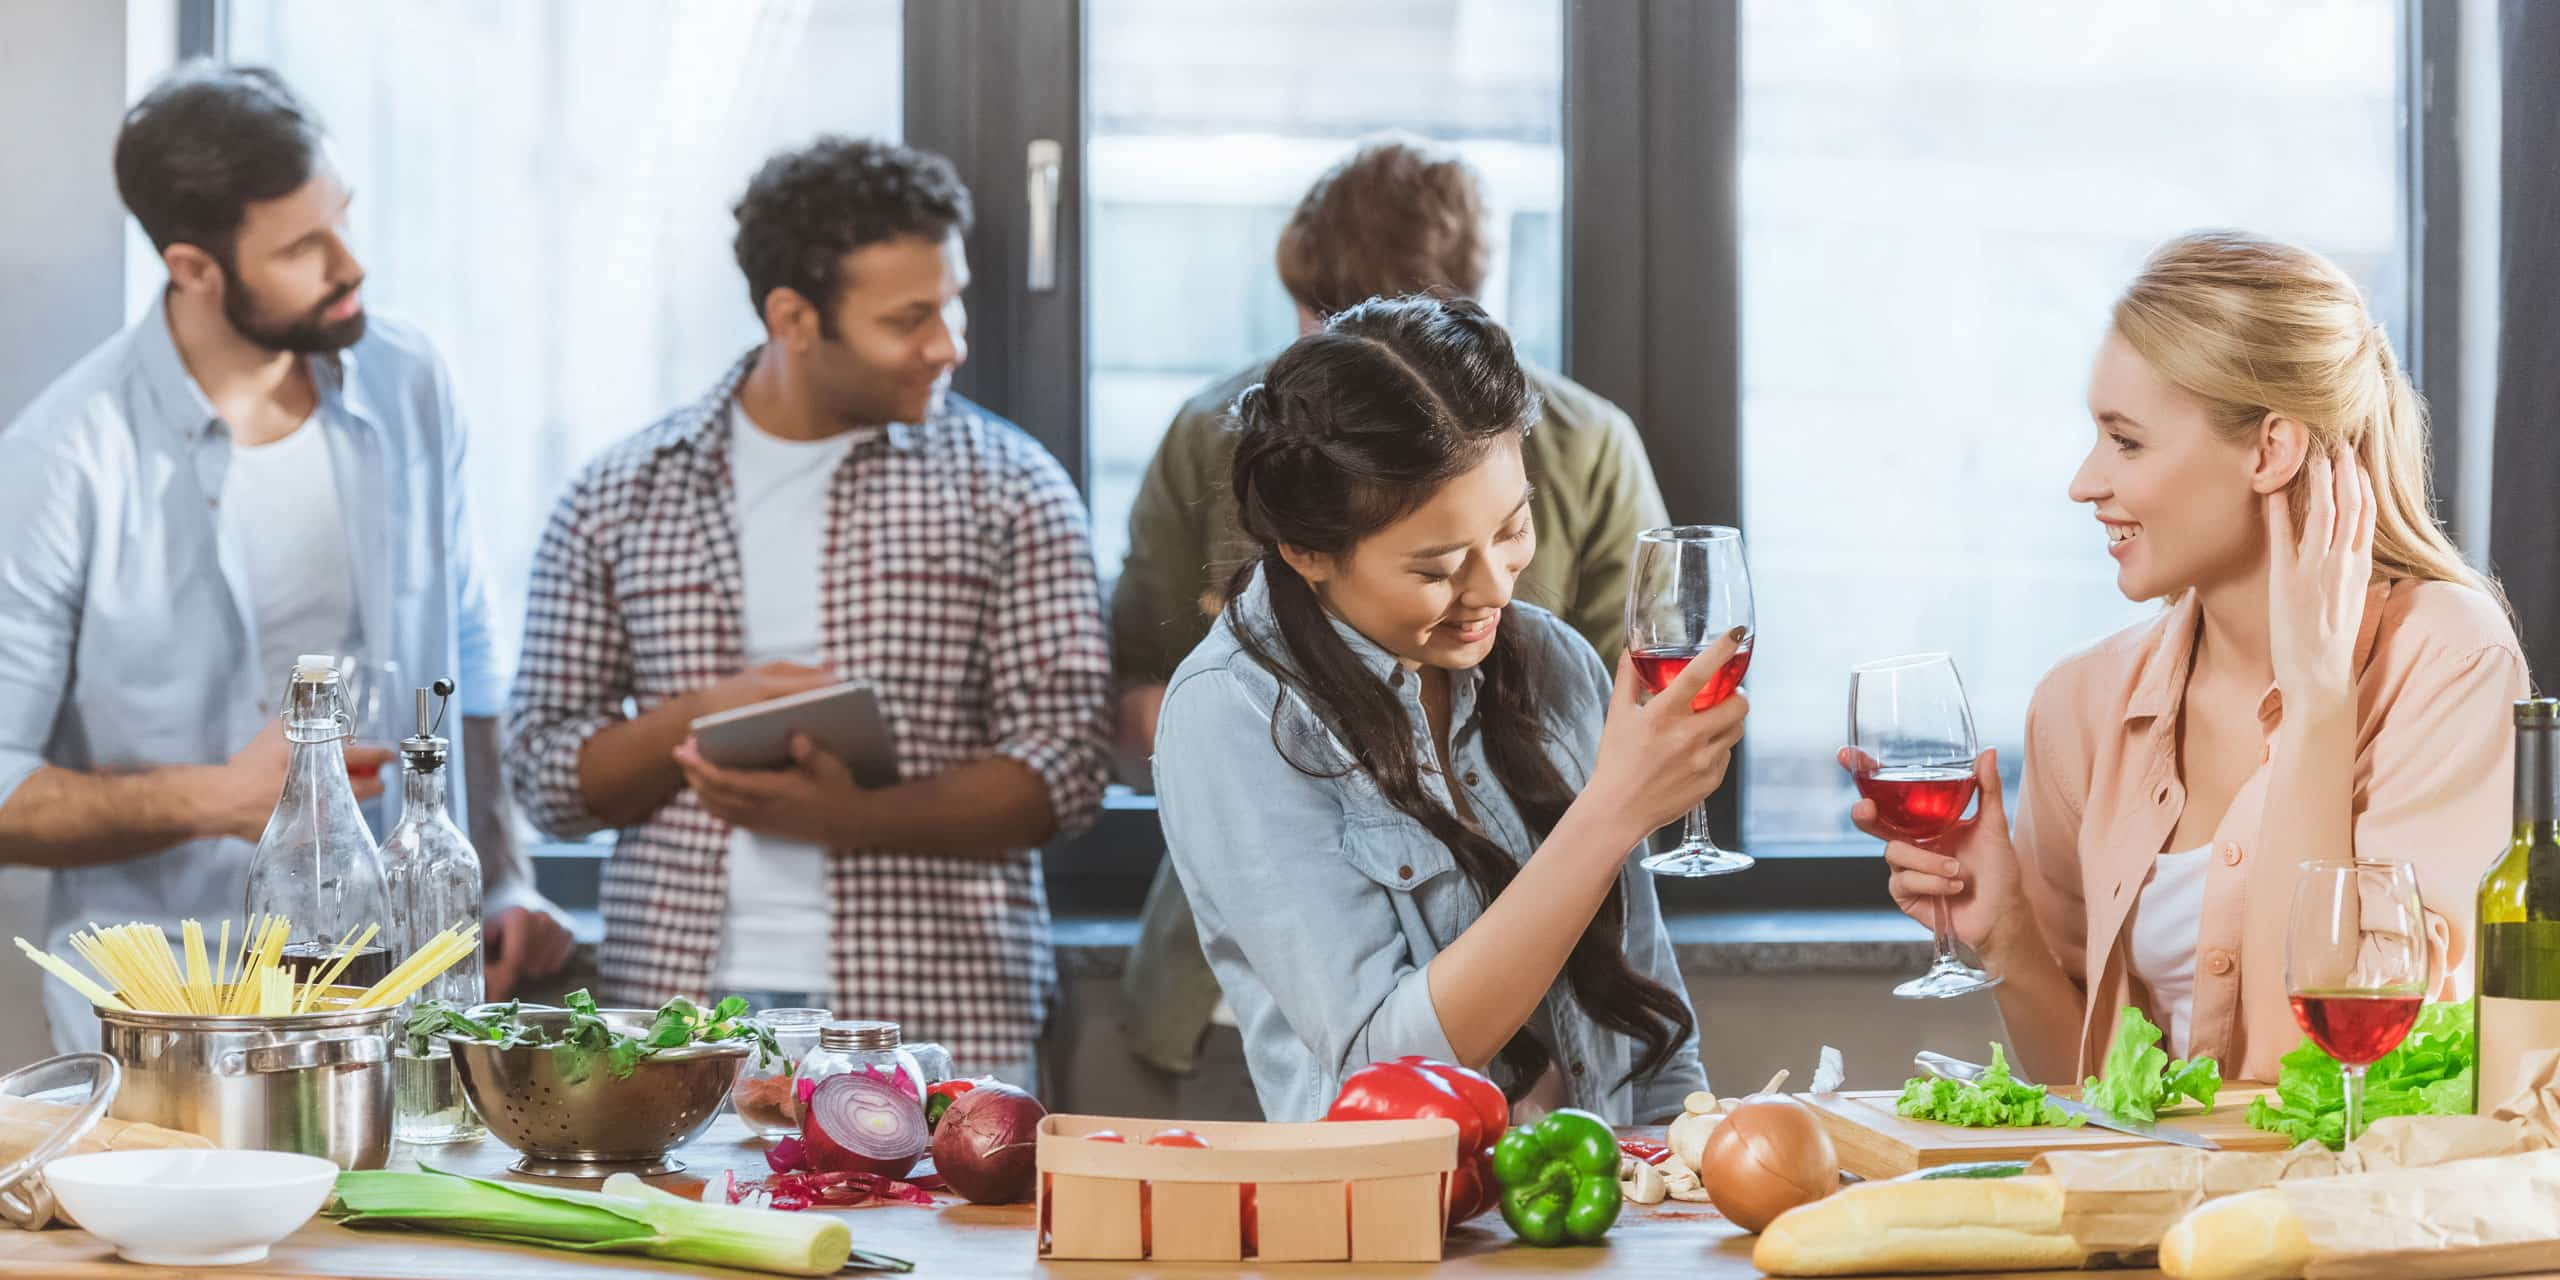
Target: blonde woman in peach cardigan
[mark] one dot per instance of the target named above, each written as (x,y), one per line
(2329,679)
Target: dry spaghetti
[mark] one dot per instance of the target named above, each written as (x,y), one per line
(143,970)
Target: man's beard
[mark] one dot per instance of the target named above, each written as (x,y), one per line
(310,334)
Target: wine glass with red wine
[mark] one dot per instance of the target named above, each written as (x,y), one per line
(1911,746)
(1689,586)
(2356,963)
(374,701)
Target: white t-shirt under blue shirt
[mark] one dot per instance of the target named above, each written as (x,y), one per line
(280,511)
(775,938)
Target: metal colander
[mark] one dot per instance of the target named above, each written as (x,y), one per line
(599,1125)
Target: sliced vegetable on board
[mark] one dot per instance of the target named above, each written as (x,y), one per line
(1996,1100)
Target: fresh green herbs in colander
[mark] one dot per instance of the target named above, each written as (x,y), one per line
(586,1037)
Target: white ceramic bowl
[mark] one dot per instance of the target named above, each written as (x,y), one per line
(191,1208)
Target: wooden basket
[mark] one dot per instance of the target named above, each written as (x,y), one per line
(1348,1191)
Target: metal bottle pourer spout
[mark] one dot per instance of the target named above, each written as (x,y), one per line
(426,750)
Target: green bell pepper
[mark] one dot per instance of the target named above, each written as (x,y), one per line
(1559,1178)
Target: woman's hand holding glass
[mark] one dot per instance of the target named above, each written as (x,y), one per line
(1973,866)
(1661,758)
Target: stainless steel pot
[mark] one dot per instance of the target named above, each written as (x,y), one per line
(317,1084)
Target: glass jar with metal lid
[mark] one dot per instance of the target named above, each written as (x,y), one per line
(872,1046)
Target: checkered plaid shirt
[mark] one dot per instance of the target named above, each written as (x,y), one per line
(959,582)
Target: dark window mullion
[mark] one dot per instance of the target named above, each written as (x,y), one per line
(2430,330)
(983,79)
(1652,283)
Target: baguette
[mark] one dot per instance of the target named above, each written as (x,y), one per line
(2250,1236)
(25,1122)
(1949,1225)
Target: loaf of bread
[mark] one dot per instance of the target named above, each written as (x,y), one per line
(25,1122)
(1939,1226)
(2250,1236)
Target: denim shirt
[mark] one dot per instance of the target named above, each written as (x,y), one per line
(1321,905)
(126,639)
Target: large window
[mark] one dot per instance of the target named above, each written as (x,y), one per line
(1208,121)
(1936,199)
(545,190)
(1938,203)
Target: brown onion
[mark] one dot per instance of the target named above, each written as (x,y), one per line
(1767,1156)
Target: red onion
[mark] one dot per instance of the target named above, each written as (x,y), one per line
(987,1145)
(859,1123)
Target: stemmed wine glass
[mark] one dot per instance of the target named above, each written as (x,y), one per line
(374,701)
(2356,963)
(1911,749)
(1689,586)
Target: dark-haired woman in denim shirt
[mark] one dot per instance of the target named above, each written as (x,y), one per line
(1404,806)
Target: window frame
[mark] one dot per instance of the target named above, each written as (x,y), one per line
(1652,116)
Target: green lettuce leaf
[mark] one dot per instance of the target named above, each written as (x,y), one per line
(1997,1100)
(2138,1079)
(2431,1073)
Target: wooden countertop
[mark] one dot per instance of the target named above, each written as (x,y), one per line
(1689,1242)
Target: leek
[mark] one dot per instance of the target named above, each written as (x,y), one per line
(653,1223)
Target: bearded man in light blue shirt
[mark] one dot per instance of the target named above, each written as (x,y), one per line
(251,471)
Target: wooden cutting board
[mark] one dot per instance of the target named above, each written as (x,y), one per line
(1875,1143)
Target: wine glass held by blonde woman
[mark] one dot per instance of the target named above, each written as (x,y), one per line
(2328,679)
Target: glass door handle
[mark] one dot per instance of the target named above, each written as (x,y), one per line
(1041,183)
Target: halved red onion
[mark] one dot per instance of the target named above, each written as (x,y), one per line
(861,1123)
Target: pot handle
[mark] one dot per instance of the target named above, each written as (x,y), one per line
(304,1055)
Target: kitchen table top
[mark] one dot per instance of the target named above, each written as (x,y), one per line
(1673,1239)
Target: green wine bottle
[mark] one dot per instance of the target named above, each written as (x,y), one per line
(2519,920)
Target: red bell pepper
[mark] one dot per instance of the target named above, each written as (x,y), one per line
(1486,1097)
(1415,1087)
(1649,1152)
(938,1098)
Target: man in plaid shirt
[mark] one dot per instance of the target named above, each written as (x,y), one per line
(828,511)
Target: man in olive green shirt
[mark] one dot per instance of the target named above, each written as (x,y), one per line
(1392,218)
(1594,491)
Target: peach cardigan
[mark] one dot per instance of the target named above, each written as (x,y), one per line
(2437,669)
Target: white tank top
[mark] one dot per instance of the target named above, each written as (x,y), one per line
(2166,919)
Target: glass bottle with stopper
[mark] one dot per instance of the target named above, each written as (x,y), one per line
(435,878)
(317,865)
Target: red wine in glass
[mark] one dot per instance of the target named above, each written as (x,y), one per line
(2357,963)
(1689,585)
(2355,1027)
(1659,667)
(1919,802)
(1911,753)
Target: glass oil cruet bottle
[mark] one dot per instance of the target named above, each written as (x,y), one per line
(435,878)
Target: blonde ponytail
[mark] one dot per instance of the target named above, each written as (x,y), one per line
(2255,327)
